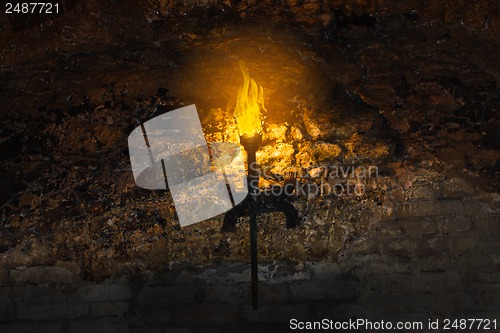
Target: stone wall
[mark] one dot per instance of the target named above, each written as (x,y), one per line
(481,16)
(433,254)
(83,249)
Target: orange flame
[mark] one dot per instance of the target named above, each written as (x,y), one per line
(248,105)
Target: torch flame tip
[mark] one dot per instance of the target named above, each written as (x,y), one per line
(249,103)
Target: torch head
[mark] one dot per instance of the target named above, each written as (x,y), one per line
(252,142)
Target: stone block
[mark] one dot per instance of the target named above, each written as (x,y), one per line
(336,311)
(426,245)
(270,313)
(400,302)
(364,247)
(18,327)
(444,282)
(178,330)
(396,246)
(486,296)
(240,328)
(387,283)
(230,274)
(422,225)
(454,224)
(45,293)
(456,188)
(104,292)
(491,202)
(105,325)
(73,267)
(495,258)
(386,212)
(230,294)
(147,330)
(461,300)
(206,315)
(324,270)
(483,276)
(424,190)
(180,275)
(171,295)
(438,262)
(272,293)
(430,208)
(473,260)
(283,273)
(6,295)
(7,311)
(307,291)
(41,274)
(187,277)
(451,207)
(377,264)
(474,207)
(397,194)
(158,279)
(38,256)
(313,290)
(108,309)
(489,223)
(463,242)
(4,275)
(52,311)
(392,228)
(155,313)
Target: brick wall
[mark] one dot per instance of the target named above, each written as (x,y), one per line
(434,254)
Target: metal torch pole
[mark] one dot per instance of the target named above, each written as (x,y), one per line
(251,146)
(253,181)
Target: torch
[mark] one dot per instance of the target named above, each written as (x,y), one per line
(251,145)
(248,116)
(249,120)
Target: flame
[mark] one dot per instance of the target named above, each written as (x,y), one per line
(248,105)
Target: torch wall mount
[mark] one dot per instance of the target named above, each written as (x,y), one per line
(253,205)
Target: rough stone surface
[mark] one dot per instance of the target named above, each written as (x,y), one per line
(410,88)
(104,292)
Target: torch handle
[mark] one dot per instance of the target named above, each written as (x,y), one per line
(253,179)
(253,256)
(251,143)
